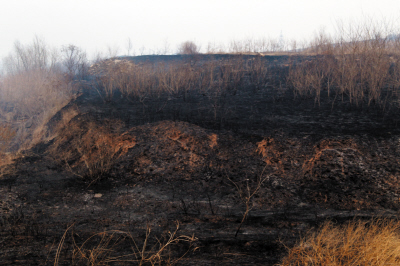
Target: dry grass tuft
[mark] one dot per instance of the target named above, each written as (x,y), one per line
(267,149)
(361,243)
(271,154)
(213,140)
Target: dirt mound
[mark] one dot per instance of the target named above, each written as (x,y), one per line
(349,173)
(171,148)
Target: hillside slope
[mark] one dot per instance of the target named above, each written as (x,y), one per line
(112,166)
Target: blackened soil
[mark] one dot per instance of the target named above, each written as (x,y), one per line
(182,164)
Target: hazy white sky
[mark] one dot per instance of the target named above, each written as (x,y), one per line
(95,25)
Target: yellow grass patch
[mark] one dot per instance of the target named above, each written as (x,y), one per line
(357,243)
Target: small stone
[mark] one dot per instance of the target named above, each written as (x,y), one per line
(29,123)
(98,195)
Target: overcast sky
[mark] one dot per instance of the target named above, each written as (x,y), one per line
(95,25)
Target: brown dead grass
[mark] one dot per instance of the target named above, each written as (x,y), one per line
(94,149)
(28,101)
(213,140)
(121,248)
(271,154)
(361,243)
(7,133)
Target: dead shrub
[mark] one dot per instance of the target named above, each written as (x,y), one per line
(121,247)
(357,243)
(91,150)
(271,154)
(248,190)
(328,151)
(359,65)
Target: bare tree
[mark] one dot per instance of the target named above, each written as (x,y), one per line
(29,57)
(112,51)
(75,61)
(128,46)
(142,50)
(188,47)
(166,48)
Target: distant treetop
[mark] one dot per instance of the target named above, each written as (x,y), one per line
(188,47)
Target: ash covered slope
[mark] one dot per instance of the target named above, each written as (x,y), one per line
(105,167)
(334,172)
(314,166)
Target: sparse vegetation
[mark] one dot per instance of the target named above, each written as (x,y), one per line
(33,90)
(247,190)
(214,82)
(242,94)
(121,247)
(360,66)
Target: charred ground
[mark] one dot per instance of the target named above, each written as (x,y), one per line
(121,164)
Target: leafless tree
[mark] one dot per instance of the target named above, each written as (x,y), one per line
(29,57)
(128,46)
(142,50)
(112,51)
(167,47)
(75,61)
(189,48)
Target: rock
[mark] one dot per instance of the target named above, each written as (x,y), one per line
(29,123)
(302,204)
